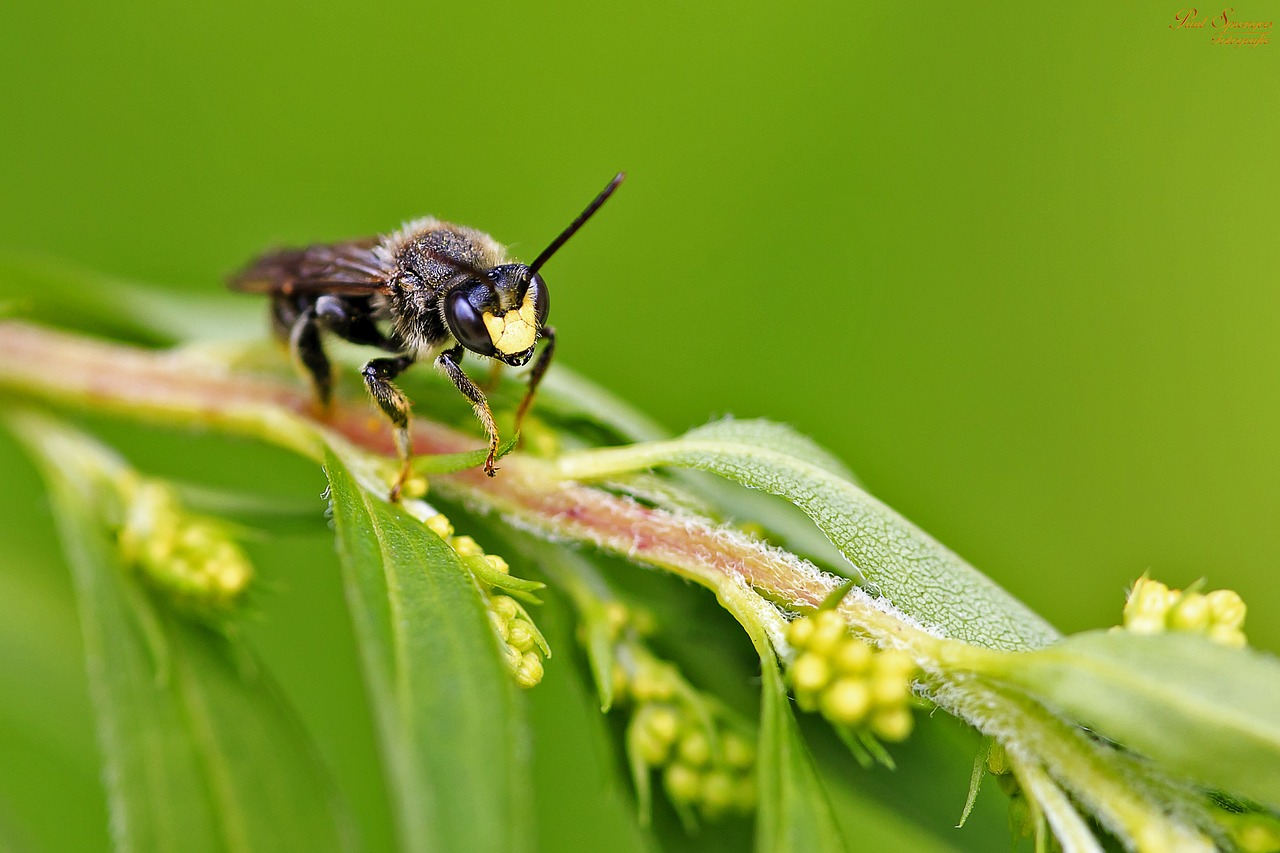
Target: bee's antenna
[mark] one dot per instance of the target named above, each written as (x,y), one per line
(577,223)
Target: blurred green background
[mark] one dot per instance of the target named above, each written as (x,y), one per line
(1014,264)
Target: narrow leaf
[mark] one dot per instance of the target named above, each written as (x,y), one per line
(448,463)
(451,725)
(900,561)
(778,437)
(794,813)
(1196,707)
(200,750)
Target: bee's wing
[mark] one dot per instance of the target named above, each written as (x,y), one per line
(351,268)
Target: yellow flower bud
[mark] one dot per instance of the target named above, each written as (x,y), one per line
(520,634)
(800,632)
(498,564)
(889,690)
(505,606)
(893,662)
(529,672)
(846,701)
(810,673)
(1228,636)
(892,724)
(440,526)
(1226,607)
(1148,599)
(853,656)
(466,546)
(1191,613)
(413,488)
(829,629)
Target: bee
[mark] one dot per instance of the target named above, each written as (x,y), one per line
(431,290)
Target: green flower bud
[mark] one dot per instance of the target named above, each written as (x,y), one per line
(655,682)
(616,616)
(738,751)
(717,793)
(745,793)
(660,722)
(682,782)
(997,759)
(694,749)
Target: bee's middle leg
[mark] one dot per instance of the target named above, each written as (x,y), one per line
(378,375)
(448,362)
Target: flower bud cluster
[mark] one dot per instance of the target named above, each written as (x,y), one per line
(848,681)
(706,766)
(523,647)
(1153,608)
(188,557)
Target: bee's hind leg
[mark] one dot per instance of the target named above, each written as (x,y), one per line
(378,374)
(306,347)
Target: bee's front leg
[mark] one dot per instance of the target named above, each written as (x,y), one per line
(377,378)
(535,375)
(448,362)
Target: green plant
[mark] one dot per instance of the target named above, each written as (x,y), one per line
(1158,736)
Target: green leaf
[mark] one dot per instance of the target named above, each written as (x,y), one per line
(448,463)
(451,724)
(1198,708)
(73,295)
(778,437)
(201,751)
(900,561)
(794,812)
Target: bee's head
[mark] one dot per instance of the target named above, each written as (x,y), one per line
(501,314)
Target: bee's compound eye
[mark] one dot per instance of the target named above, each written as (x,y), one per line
(541,298)
(467,324)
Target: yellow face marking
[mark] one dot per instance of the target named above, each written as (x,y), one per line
(514,331)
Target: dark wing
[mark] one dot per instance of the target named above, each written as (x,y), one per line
(347,268)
